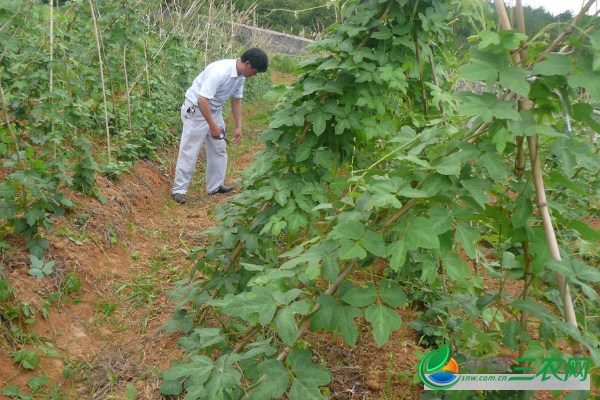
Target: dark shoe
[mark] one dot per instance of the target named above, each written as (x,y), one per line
(178,197)
(223,189)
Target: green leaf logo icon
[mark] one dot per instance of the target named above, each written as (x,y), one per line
(433,362)
(437,358)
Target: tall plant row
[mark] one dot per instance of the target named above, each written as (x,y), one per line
(87,87)
(380,187)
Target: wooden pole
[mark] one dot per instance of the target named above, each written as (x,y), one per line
(51,83)
(96,34)
(540,192)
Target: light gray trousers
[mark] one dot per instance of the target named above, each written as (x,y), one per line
(195,133)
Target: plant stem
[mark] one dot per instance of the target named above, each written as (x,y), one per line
(528,278)
(421,75)
(305,324)
(568,30)
(436,83)
(234,256)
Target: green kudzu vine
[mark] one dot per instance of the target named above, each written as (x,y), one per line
(369,161)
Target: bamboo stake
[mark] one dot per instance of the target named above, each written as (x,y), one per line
(20,161)
(112,87)
(96,33)
(127,85)
(10,130)
(520,160)
(551,237)
(210,5)
(146,68)
(51,86)
(138,75)
(520,170)
(68,82)
(540,191)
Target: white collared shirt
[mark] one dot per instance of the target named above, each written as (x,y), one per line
(217,82)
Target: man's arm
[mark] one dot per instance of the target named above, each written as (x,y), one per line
(236,109)
(204,106)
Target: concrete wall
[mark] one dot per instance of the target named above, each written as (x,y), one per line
(271,41)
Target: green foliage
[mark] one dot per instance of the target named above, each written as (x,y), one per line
(282,63)
(13,315)
(58,129)
(367,162)
(299,17)
(39,269)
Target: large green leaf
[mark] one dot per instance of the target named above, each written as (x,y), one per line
(479,70)
(349,230)
(515,79)
(351,249)
(221,379)
(449,166)
(384,321)
(590,80)
(524,209)
(286,325)
(477,105)
(584,230)
(197,372)
(440,220)
(275,383)
(397,251)
(391,293)
(494,165)
(419,235)
(309,376)
(553,64)
(476,187)
(361,296)
(456,267)
(505,110)
(373,243)
(323,318)
(467,235)
(259,300)
(343,319)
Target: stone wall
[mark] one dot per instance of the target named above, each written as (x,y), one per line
(271,41)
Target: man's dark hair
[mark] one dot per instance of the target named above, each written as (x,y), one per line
(258,59)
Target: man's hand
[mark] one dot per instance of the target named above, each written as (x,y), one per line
(215,131)
(238,135)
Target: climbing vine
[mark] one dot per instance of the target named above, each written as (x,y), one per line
(374,167)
